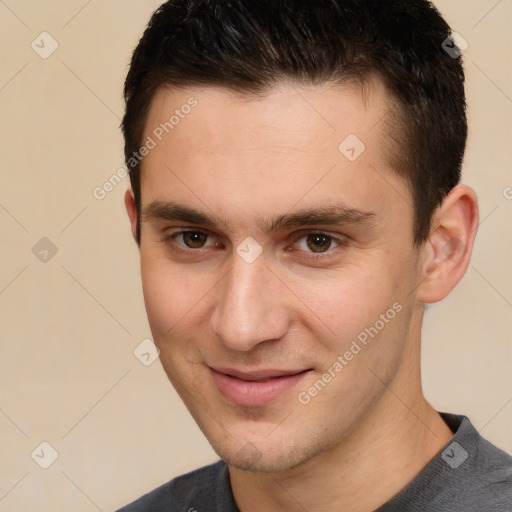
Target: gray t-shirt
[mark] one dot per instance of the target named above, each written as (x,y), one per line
(468,475)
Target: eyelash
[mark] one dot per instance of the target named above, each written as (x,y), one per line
(170,242)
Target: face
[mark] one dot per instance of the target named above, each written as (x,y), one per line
(277,264)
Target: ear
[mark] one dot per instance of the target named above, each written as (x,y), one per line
(131,209)
(445,255)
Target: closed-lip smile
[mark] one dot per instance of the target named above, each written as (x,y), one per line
(255,388)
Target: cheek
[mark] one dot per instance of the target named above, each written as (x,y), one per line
(342,301)
(160,296)
(363,303)
(171,296)
(175,304)
(359,333)
(178,303)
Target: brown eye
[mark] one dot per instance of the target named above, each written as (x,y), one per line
(194,239)
(318,242)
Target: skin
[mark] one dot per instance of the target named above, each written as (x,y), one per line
(246,161)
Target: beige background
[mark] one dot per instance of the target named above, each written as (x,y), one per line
(68,374)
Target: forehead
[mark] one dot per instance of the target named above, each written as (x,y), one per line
(288,145)
(287,111)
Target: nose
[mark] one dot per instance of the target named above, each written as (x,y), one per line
(250,306)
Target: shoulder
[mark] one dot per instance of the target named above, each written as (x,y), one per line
(201,489)
(469,474)
(487,478)
(475,472)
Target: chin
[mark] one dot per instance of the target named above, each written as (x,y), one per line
(269,458)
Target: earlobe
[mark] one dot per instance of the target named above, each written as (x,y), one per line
(447,252)
(131,210)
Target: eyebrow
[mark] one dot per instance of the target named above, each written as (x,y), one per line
(335,214)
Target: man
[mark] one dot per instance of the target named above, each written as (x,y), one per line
(295,195)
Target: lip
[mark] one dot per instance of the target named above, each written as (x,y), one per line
(255,389)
